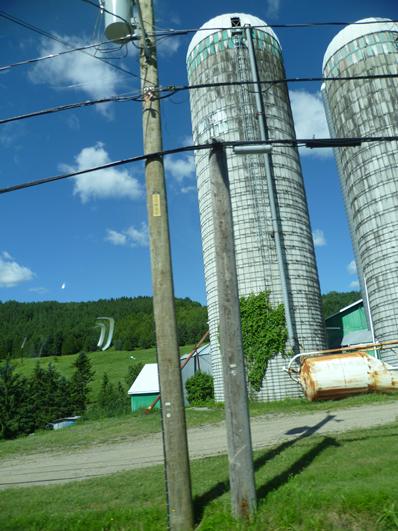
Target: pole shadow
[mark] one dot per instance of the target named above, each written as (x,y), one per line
(220,488)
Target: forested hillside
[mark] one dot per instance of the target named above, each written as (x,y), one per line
(334,301)
(53,328)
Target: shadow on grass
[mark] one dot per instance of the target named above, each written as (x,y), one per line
(200,502)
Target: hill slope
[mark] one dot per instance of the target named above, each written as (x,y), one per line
(54,328)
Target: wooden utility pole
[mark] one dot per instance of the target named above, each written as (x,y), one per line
(178,480)
(240,455)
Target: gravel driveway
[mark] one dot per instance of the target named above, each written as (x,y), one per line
(48,468)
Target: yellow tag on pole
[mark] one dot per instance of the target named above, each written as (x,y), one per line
(156,205)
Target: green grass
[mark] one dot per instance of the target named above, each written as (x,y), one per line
(123,428)
(343,482)
(114,362)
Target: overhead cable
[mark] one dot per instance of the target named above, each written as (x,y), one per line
(44,33)
(184,31)
(171,89)
(53,55)
(69,106)
(178,88)
(308,142)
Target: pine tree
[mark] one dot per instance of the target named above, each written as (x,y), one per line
(81,379)
(112,400)
(14,402)
(106,394)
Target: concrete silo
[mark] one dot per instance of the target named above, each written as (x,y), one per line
(369,173)
(229,112)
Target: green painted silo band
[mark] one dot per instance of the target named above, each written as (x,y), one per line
(384,42)
(221,40)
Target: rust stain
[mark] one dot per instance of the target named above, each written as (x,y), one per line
(327,394)
(333,357)
(244,508)
(308,382)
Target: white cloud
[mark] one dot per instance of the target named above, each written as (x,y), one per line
(187,140)
(354,284)
(180,167)
(132,236)
(101,184)
(39,290)
(188,189)
(319,238)
(273,8)
(11,273)
(168,46)
(73,122)
(310,120)
(76,70)
(352,267)
(10,134)
(116,238)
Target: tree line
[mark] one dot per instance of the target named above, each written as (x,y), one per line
(31,403)
(27,404)
(54,328)
(334,301)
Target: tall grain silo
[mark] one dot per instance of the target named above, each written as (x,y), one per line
(369,173)
(218,52)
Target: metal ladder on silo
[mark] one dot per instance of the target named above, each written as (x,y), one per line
(251,133)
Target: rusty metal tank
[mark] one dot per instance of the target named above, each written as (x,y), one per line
(338,375)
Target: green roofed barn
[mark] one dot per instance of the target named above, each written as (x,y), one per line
(348,326)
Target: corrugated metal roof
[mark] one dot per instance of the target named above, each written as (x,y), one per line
(352,305)
(147,382)
(202,351)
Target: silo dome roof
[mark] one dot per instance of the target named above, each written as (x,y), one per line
(224,21)
(354,31)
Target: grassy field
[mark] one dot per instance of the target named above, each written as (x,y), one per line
(123,428)
(334,483)
(114,362)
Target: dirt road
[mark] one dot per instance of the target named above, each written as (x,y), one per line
(49,468)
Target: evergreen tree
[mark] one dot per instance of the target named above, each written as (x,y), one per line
(81,379)
(50,395)
(132,372)
(106,393)
(38,392)
(14,400)
(112,400)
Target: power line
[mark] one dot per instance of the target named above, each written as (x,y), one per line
(178,88)
(171,31)
(175,32)
(308,142)
(69,106)
(172,89)
(44,33)
(162,33)
(53,55)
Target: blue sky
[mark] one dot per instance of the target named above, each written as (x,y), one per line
(84,239)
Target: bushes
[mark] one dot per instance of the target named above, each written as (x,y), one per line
(111,400)
(81,378)
(27,404)
(199,388)
(132,372)
(264,334)
(14,403)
